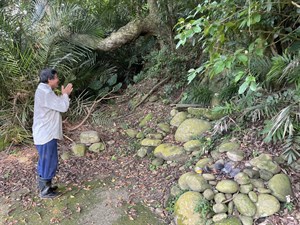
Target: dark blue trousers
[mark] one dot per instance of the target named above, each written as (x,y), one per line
(48,160)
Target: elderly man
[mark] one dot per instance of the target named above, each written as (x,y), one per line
(47,128)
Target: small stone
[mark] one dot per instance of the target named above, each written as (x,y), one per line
(228,196)
(265,174)
(230,208)
(208,194)
(97,147)
(219,217)
(219,208)
(264,190)
(246,220)
(258,183)
(78,149)
(227,186)
(140,135)
(253,196)
(157,162)
(89,137)
(156,136)
(164,127)
(142,152)
(213,182)
(236,155)
(192,145)
(208,176)
(173,112)
(145,120)
(65,156)
(131,133)
(229,146)
(150,142)
(251,173)
(242,178)
(175,191)
(219,198)
(246,188)
(244,205)
(178,119)
(229,221)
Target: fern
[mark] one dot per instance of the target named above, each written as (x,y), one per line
(291,149)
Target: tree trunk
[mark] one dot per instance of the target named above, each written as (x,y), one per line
(150,25)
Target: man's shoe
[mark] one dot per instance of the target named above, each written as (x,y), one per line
(47,192)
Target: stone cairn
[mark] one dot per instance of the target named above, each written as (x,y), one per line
(238,191)
(89,140)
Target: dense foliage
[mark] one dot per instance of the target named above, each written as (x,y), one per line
(254,45)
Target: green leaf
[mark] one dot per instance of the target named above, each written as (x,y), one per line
(113,80)
(256,17)
(96,85)
(243,88)
(253,86)
(243,58)
(219,67)
(238,76)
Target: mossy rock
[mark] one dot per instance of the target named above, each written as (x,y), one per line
(191,129)
(229,221)
(184,210)
(168,151)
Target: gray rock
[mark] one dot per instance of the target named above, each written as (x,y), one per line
(263,190)
(182,181)
(145,120)
(227,186)
(157,162)
(235,155)
(230,208)
(242,178)
(244,205)
(89,137)
(266,205)
(229,146)
(169,152)
(65,156)
(178,119)
(150,142)
(97,147)
(219,197)
(192,145)
(185,208)
(246,220)
(219,217)
(251,173)
(78,149)
(131,133)
(142,152)
(190,129)
(281,187)
(175,191)
(208,194)
(264,161)
(265,174)
(229,221)
(208,176)
(246,188)
(164,127)
(156,136)
(257,183)
(220,208)
(196,182)
(253,196)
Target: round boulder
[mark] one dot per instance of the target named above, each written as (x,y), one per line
(191,128)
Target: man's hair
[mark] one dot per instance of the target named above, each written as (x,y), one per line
(47,74)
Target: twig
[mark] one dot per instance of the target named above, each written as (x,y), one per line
(151,91)
(295,4)
(186,105)
(69,138)
(89,112)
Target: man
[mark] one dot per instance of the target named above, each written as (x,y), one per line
(47,128)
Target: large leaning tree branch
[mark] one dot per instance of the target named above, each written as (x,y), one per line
(150,25)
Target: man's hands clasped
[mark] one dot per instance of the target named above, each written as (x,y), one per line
(68,89)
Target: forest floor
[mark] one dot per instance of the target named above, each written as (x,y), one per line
(114,187)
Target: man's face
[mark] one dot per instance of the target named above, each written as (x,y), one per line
(54,82)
